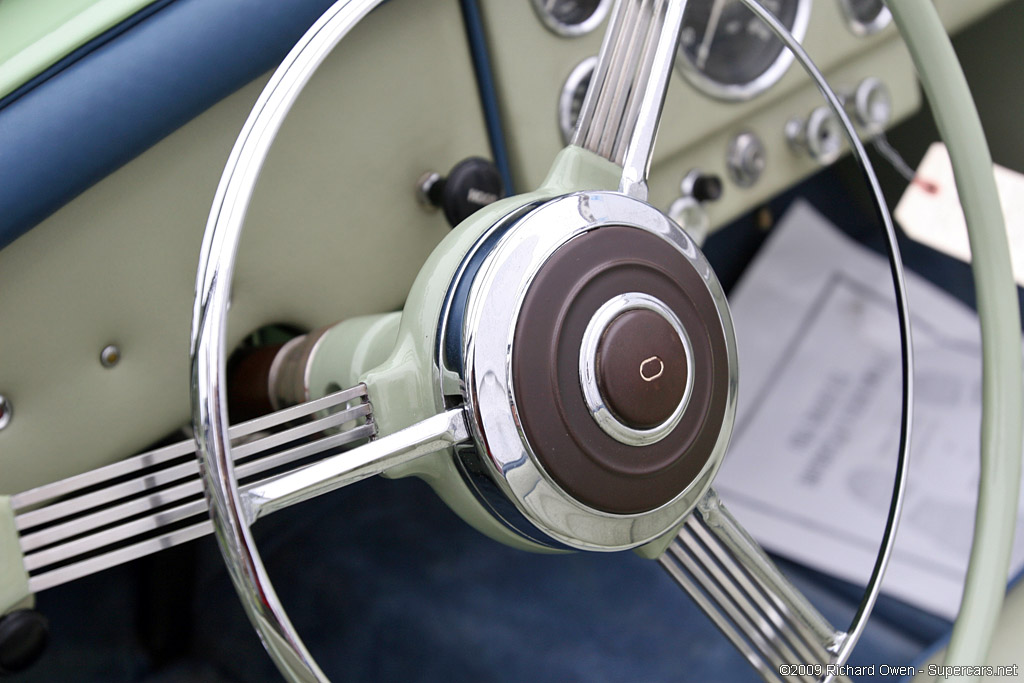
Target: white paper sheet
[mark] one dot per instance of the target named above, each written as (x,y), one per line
(930,209)
(810,469)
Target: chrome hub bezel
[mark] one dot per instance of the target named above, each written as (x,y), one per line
(501,466)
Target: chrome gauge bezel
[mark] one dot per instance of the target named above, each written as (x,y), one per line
(745,91)
(566,121)
(566,30)
(861,28)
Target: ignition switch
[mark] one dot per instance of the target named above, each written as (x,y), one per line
(696,190)
(472,184)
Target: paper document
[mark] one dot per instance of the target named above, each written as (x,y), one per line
(810,469)
(930,209)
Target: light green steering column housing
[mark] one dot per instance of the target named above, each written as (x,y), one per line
(405,388)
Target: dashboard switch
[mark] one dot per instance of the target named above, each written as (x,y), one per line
(472,184)
(870,105)
(820,135)
(745,159)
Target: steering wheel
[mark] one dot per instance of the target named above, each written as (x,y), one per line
(565,370)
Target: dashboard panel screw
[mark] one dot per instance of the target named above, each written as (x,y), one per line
(110,355)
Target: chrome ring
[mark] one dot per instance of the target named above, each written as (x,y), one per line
(503,454)
(604,417)
(739,92)
(567,30)
(865,28)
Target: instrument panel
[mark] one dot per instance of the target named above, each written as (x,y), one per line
(705,129)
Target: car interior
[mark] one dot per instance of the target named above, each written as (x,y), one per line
(548,268)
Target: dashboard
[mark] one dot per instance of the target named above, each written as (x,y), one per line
(338,197)
(95,341)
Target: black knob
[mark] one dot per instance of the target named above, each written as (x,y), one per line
(471,185)
(706,188)
(23,637)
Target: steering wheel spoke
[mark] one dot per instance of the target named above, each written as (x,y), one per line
(620,115)
(725,571)
(113,514)
(423,438)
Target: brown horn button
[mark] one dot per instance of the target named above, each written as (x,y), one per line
(641,368)
(585,461)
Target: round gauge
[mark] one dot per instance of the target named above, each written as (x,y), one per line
(729,53)
(866,16)
(572,17)
(570,101)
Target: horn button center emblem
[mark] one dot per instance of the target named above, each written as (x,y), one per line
(639,365)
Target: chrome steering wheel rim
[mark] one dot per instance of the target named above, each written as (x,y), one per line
(229,513)
(209,321)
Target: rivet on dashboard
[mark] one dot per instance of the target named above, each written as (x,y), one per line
(6,411)
(110,355)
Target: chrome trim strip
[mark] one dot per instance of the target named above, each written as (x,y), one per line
(158,518)
(153,480)
(122,468)
(731,632)
(734,540)
(728,575)
(580,73)
(94,564)
(770,648)
(59,533)
(621,112)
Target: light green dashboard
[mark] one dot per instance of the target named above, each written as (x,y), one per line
(335,229)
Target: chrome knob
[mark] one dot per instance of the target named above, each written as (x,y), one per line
(870,105)
(745,159)
(820,135)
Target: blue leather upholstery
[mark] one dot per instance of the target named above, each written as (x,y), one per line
(128,89)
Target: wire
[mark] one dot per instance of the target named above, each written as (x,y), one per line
(488,93)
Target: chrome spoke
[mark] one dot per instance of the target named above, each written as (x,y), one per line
(113,514)
(620,114)
(731,578)
(429,436)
